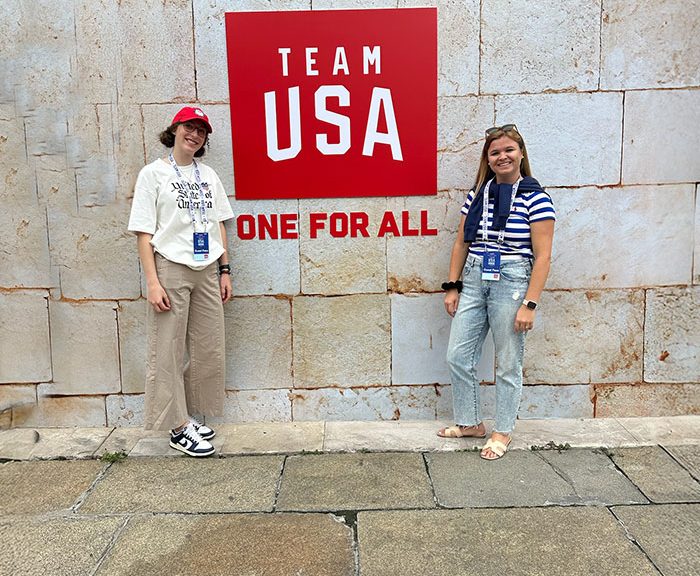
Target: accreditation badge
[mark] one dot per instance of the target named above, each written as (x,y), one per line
(491,268)
(201,246)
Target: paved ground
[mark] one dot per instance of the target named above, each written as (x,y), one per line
(369,499)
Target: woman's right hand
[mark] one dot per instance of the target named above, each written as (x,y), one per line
(158,298)
(451,301)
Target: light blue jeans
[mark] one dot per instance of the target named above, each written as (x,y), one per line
(482,305)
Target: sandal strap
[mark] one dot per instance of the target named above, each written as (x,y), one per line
(457,431)
(452,432)
(496,446)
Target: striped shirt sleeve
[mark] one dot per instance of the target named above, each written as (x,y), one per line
(540,207)
(468,203)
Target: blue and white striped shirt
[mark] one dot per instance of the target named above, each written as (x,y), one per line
(527,207)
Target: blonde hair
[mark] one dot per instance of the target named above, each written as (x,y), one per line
(485,173)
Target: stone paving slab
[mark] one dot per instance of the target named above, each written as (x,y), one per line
(577,432)
(395,436)
(34,546)
(243,484)
(463,479)
(672,430)
(421,435)
(271,437)
(593,476)
(125,439)
(656,474)
(18,443)
(533,541)
(69,443)
(218,545)
(668,533)
(688,456)
(39,487)
(45,443)
(154,446)
(290,437)
(316,482)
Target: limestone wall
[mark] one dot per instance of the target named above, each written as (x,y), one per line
(606,92)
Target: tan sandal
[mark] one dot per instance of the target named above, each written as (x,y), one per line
(460,432)
(496,446)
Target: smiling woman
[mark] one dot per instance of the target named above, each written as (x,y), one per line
(194,130)
(498,269)
(178,215)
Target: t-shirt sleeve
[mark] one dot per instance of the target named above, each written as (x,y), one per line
(468,202)
(541,207)
(223,206)
(143,206)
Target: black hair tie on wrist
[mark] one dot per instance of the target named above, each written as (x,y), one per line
(457,284)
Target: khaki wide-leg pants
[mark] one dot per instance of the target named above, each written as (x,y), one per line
(194,324)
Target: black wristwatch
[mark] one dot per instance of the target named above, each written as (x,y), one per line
(531,304)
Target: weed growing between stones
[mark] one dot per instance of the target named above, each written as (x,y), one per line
(112,457)
(551,445)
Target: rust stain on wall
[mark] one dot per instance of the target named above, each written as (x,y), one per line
(593,398)
(80,245)
(627,358)
(9,179)
(410,284)
(640,399)
(22,227)
(593,295)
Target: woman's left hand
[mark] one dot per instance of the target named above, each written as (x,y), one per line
(524,319)
(225,285)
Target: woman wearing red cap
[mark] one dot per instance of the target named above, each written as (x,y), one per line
(178,212)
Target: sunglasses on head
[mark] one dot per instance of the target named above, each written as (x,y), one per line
(505,128)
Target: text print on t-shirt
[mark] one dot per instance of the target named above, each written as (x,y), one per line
(186,189)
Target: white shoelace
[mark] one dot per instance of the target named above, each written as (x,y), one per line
(197,423)
(191,433)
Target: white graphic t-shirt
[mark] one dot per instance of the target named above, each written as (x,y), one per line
(161,207)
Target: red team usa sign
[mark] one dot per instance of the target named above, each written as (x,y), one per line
(333,103)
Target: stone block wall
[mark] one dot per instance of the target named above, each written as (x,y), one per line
(606,93)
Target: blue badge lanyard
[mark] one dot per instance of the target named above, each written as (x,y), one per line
(485,215)
(191,199)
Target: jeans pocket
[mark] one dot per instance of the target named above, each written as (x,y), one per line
(467,269)
(516,273)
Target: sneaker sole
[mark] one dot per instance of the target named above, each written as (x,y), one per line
(193,454)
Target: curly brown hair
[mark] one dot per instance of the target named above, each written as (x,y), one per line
(167,139)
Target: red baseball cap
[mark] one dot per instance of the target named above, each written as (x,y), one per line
(189,113)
